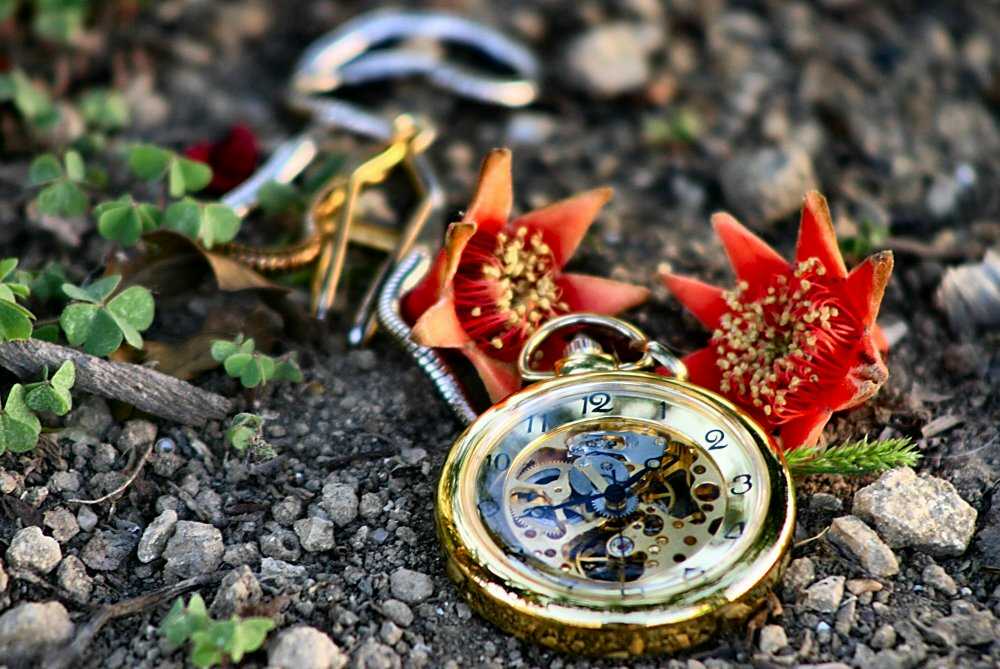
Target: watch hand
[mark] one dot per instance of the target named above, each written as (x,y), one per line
(593,476)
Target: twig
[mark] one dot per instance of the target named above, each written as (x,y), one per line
(120,489)
(146,389)
(805,542)
(68,655)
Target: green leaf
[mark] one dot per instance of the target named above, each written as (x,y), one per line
(248,636)
(95,292)
(31,101)
(148,162)
(121,223)
(222,349)
(7,265)
(15,321)
(235,364)
(18,410)
(104,109)
(59,20)
(853,458)
(178,625)
(184,217)
(277,198)
(48,332)
(135,306)
(44,169)
(196,175)
(92,327)
(46,397)
(65,376)
(76,321)
(75,168)
(7,9)
(16,436)
(287,370)
(47,284)
(204,654)
(196,606)
(62,198)
(175,178)
(220,225)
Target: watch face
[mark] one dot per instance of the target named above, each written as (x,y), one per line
(616,492)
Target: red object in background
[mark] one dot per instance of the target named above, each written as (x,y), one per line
(232,159)
(792,343)
(496,280)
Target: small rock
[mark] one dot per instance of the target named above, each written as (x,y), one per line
(35,495)
(86,518)
(800,573)
(936,577)
(32,627)
(287,510)
(612,59)
(8,482)
(155,538)
(304,647)
(825,502)
(375,655)
(390,632)
(65,481)
(860,586)
(772,639)
(967,626)
(92,416)
(850,534)
(923,512)
(239,590)
(884,637)
(398,612)
(108,549)
(341,502)
(315,534)
(104,458)
(62,522)
(281,544)
(239,554)
(73,578)
(193,550)
(136,434)
(30,549)
(370,506)
(847,616)
(279,569)
(410,586)
(765,185)
(824,595)
(4,579)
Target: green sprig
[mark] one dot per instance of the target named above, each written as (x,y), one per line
(853,458)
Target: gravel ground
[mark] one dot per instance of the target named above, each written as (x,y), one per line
(889,109)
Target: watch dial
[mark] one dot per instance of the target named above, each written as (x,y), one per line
(627,490)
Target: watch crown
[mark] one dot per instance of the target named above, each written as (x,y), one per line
(584,354)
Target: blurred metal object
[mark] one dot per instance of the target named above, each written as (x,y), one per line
(970,295)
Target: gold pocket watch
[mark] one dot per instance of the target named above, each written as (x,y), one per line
(610,510)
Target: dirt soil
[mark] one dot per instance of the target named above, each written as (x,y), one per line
(890,109)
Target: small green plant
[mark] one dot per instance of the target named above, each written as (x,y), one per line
(124,220)
(183,175)
(52,394)
(61,193)
(244,431)
(19,426)
(871,236)
(98,323)
(104,110)
(209,222)
(682,126)
(853,458)
(15,320)
(30,101)
(213,642)
(252,368)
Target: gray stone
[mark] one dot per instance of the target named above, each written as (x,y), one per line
(800,573)
(884,637)
(922,512)
(398,612)
(154,538)
(104,458)
(410,586)
(30,628)
(375,655)
(847,616)
(967,626)
(92,416)
(239,590)
(8,482)
(851,535)
(271,568)
(238,554)
(62,522)
(108,549)
(31,550)
(767,184)
(4,579)
(194,549)
(936,577)
(390,632)
(772,639)
(281,544)
(824,501)
(824,595)
(287,510)
(304,647)
(65,481)
(73,578)
(315,534)
(86,518)
(136,434)
(370,506)
(613,58)
(341,502)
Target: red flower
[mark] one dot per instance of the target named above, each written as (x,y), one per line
(791,343)
(233,159)
(495,281)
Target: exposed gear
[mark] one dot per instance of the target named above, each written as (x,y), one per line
(622,510)
(534,491)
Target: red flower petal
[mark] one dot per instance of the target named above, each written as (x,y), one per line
(564,223)
(752,258)
(705,301)
(439,326)
(232,159)
(866,285)
(881,341)
(442,271)
(500,378)
(817,238)
(494,197)
(702,370)
(804,431)
(583,292)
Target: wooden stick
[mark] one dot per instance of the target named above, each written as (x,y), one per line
(144,388)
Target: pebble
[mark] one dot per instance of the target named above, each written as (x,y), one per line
(104,458)
(936,577)
(772,639)
(281,544)
(800,573)
(136,434)
(238,590)
(922,512)
(62,522)
(65,481)
(767,184)
(73,578)
(824,595)
(398,612)
(315,534)
(92,416)
(238,554)
(390,632)
(410,586)
(155,538)
(86,518)
(193,550)
(304,647)
(884,637)
(108,549)
(846,617)
(825,502)
(375,655)
(370,506)
(851,535)
(341,502)
(4,579)
(31,627)
(966,626)
(612,59)
(287,510)
(279,569)
(30,549)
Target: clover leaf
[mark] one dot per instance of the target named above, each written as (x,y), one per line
(99,324)
(183,175)
(61,194)
(104,109)
(59,20)
(211,223)
(252,368)
(19,427)
(32,102)
(124,220)
(213,642)
(15,320)
(52,395)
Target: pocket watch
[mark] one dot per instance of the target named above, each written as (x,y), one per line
(610,510)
